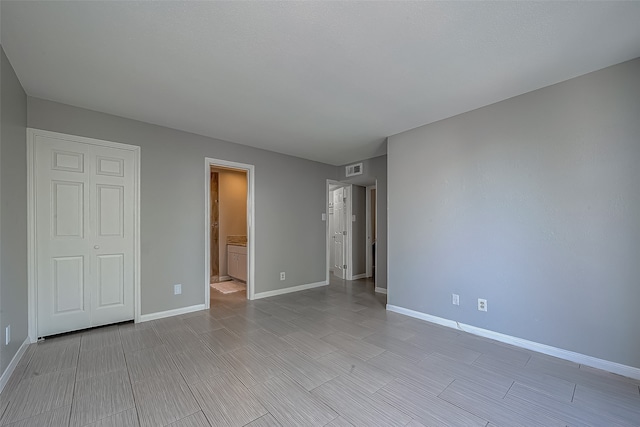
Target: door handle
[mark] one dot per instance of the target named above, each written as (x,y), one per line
(96,247)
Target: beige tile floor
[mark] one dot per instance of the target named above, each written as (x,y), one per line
(328,356)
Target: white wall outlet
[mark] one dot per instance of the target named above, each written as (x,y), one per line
(353,218)
(282,275)
(7,335)
(177,289)
(455,299)
(482,304)
(324,216)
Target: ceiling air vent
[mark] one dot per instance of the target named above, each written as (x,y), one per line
(353,170)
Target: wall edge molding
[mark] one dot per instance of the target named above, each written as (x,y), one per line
(282,291)
(4,379)
(169,313)
(381,290)
(572,356)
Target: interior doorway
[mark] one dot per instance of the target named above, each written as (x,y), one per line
(351,229)
(339,231)
(230,215)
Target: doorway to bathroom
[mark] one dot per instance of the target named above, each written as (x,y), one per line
(229,253)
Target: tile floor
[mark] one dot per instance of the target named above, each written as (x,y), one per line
(328,356)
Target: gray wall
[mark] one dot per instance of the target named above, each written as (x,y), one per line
(359,229)
(533,204)
(13,211)
(290,197)
(375,170)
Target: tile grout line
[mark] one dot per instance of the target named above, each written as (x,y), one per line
(126,364)
(75,378)
(505,395)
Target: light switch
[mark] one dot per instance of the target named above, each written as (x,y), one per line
(324,216)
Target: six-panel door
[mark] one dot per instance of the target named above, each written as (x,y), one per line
(85,236)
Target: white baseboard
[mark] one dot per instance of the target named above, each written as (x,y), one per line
(594,362)
(289,290)
(224,278)
(382,291)
(359,276)
(169,313)
(4,379)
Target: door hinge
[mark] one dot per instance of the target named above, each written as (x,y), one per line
(344,266)
(344,233)
(344,200)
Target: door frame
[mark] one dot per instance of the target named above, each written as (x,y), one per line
(369,259)
(250,171)
(32,238)
(213,260)
(349,224)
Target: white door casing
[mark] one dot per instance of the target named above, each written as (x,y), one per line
(84,238)
(369,246)
(249,260)
(338,233)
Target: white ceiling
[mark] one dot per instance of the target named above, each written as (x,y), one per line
(327,81)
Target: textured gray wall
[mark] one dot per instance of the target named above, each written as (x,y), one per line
(290,197)
(533,204)
(375,170)
(359,229)
(13,212)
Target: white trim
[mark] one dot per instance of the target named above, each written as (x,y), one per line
(289,290)
(169,313)
(369,243)
(616,368)
(349,239)
(32,306)
(327,230)
(382,291)
(32,284)
(251,232)
(4,379)
(359,276)
(224,278)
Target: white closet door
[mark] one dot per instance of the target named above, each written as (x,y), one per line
(84,234)
(111,254)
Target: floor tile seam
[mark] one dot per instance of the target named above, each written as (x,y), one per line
(304,390)
(28,363)
(247,388)
(434,396)
(368,397)
(2,419)
(558,412)
(466,409)
(152,375)
(75,379)
(133,396)
(543,392)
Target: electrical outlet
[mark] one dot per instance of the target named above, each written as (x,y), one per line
(177,289)
(7,335)
(455,299)
(282,275)
(482,304)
